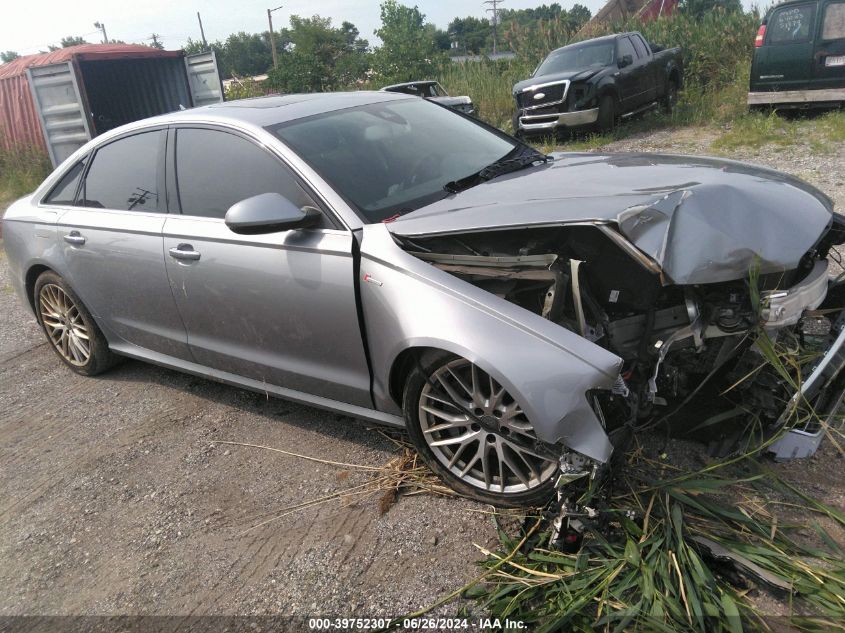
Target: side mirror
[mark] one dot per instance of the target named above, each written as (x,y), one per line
(625,60)
(268,213)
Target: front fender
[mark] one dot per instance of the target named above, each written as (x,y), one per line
(409,303)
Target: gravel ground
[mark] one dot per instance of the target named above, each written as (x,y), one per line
(116,499)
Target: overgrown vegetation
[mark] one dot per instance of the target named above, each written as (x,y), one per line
(21,171)
(658,572)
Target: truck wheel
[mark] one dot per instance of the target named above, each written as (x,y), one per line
(607,113)
(671,98)
(515,125)
(473,434)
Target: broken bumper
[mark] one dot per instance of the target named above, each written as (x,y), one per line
(549,122)
(821,395)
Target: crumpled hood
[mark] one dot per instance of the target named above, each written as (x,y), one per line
(703,220)
(572,75)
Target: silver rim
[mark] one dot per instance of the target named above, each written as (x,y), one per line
(64,325)
(477,431)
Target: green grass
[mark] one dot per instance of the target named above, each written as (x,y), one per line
(820,132)
(21,171)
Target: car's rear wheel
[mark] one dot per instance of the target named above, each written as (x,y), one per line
(473,434)
(69,327)
(607,113)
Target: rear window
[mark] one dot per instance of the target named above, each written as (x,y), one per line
(790,25)
(833,27)
(64,192)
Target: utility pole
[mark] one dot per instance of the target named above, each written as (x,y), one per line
(156,44)
(494,9)
(202,33)
(102,27)
(273,36)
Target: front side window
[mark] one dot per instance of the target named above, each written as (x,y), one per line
(790,25)
(393,157)
(626,48)
(833,27)
(64,192)
(216,169)
(124,174)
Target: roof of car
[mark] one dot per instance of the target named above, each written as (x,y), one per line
(595,40)
(264,111)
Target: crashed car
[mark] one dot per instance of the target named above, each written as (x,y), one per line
(433,91)
(382,257)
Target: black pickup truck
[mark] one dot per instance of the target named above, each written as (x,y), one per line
(596,82)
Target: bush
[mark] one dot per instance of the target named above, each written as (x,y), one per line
(21,170)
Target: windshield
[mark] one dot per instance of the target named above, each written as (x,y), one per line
(580,57)
(393,157)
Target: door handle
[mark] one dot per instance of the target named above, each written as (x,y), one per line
(184,251)
(74,238)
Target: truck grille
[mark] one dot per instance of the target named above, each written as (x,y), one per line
(542,95)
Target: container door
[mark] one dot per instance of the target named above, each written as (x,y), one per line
(203,78)
(784,62)
(64,120)
(830,50)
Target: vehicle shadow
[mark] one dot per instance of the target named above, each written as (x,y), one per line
(273,409)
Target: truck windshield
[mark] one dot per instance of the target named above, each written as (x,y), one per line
(579,57)
(393,157)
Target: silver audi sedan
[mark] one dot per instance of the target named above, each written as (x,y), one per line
(384,257)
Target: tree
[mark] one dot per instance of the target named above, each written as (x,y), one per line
(244,54)
(8,56)
(408,50)
(472,34)
(699,8)
(318,57)
(155,43)
(72,40)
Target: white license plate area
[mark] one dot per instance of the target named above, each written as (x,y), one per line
(837,60)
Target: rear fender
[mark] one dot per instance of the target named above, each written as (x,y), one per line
(409,303)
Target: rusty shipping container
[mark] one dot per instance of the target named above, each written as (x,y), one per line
(60,100)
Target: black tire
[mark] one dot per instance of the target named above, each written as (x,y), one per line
(671,98)
(607,113)
(99,357)
(418,379)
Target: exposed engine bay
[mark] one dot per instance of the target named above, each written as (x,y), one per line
(678,342)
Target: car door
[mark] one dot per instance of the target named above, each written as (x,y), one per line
(110,237)
(631,79)
(651,73)
(829,58)
(785,61)
(277,308)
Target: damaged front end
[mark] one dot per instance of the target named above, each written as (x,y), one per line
(681,344)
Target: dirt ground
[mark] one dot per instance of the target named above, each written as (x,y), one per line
(116,496)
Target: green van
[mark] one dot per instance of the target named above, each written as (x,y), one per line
(799,56)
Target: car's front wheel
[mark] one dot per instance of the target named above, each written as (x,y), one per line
(607,113)
(473,434)
(69,327)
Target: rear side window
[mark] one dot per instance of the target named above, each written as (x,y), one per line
(124,174)
(65,191)
(790,25)
(626,48)
(215,169)
(833,27)
(639,46)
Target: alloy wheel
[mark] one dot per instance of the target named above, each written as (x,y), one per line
(64,325)
(479,432)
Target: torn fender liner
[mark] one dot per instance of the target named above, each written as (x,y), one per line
(704,220)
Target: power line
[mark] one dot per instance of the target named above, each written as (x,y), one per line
(494,9)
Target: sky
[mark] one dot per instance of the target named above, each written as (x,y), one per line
(29,28)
